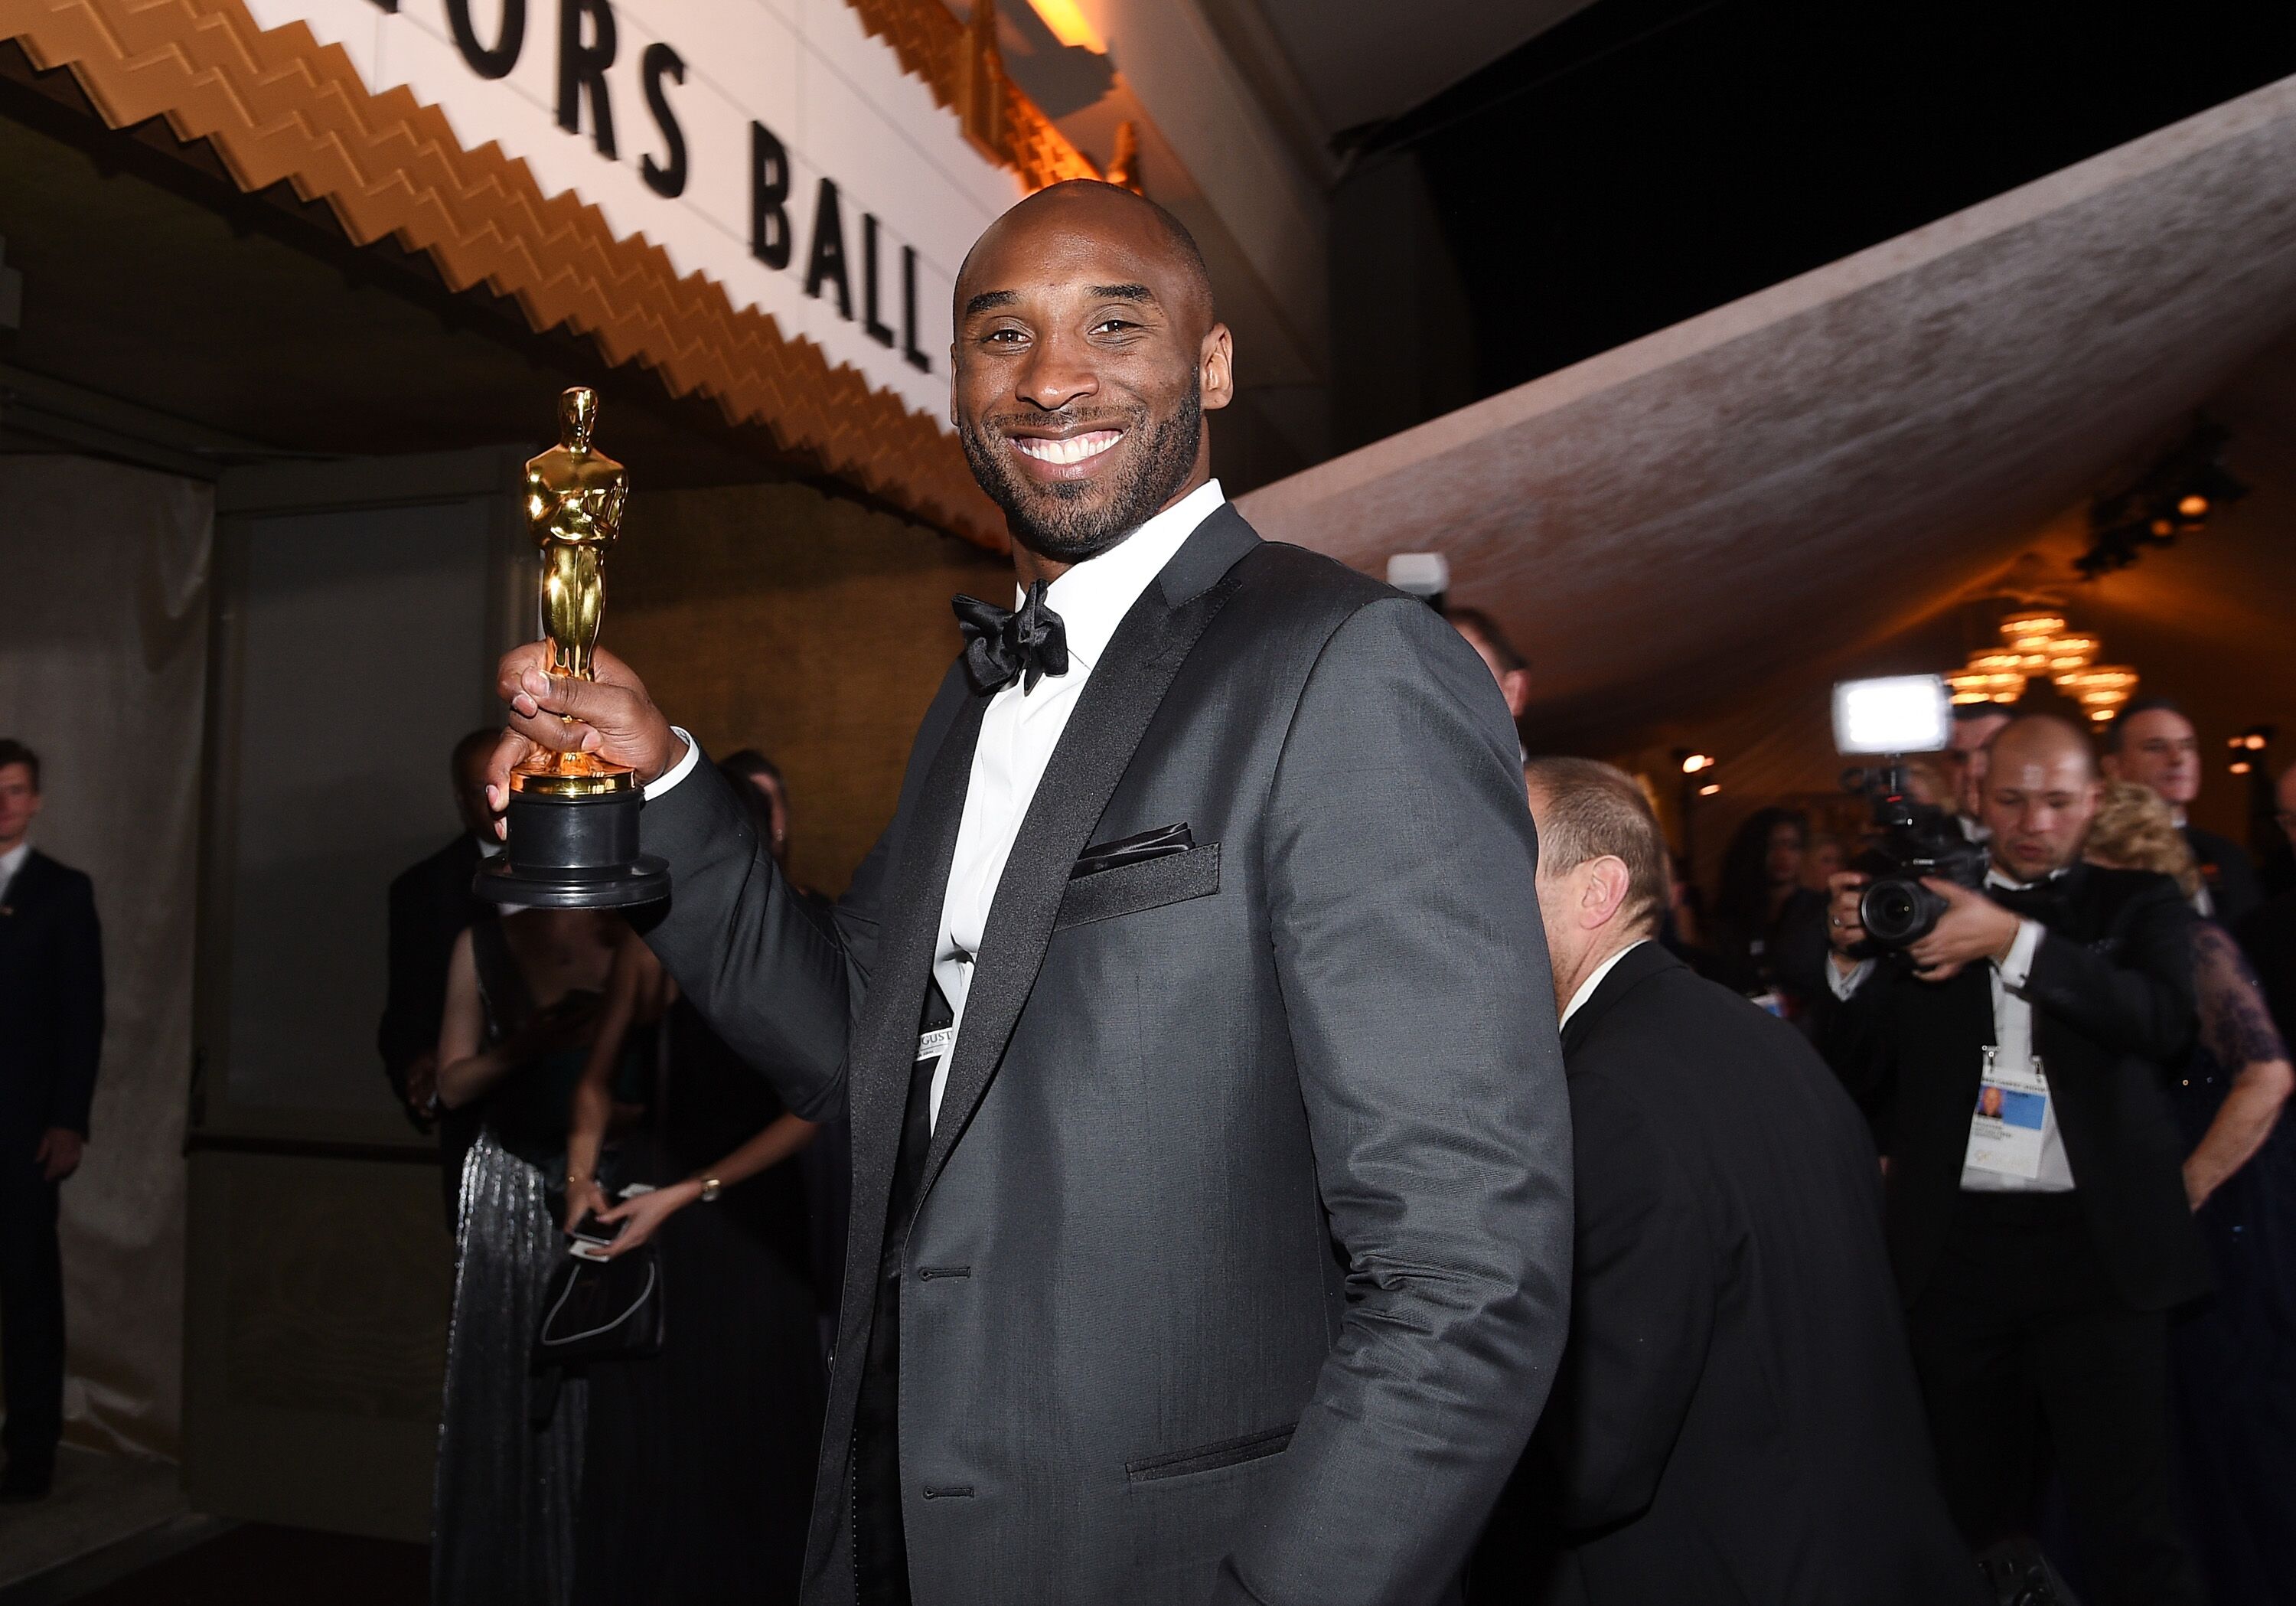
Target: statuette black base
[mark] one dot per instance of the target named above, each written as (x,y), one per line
(572,852)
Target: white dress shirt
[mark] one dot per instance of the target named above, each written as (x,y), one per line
(2012,1039)
(1587,988)
(1018,734)
(11,862)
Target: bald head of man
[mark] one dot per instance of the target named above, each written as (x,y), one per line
(1087,354)
(2041,790)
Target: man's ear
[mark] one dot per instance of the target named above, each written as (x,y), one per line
(1603,891)
(1216,367)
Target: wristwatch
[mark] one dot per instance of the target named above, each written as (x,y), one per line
(710,1189)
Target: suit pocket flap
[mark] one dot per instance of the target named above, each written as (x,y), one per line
(1146,883)
(1209,1458)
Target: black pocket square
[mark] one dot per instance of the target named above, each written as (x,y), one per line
(1140,885)
(1159,843)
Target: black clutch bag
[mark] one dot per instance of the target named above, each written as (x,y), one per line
(602,1310)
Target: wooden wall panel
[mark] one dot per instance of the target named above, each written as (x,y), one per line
(809,628)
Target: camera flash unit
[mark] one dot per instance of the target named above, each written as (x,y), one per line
(1892,713)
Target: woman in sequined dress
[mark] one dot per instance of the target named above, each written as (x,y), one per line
(523,998)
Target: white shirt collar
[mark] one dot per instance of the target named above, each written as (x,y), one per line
(1092,597)
(489,845)
(1995,876)
(12,861)
(1587,988)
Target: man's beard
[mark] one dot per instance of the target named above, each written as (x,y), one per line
(1055,519)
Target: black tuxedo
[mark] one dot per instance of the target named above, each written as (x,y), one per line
(51,1039)
(1735,1418)
(2113,1012)
(2025,1306)
(1237,1268)
(430,905)
(2233,891)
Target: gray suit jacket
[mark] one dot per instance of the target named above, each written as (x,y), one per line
(1241,1258)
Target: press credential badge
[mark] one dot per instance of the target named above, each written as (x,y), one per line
(2012,1109)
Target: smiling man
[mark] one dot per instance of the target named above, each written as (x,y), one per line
(1211,1214)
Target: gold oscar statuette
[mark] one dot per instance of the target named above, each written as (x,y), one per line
(573,816)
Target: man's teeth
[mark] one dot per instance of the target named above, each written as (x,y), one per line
(1076,449)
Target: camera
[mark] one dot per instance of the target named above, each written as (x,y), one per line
(1890,718)
(1913,840)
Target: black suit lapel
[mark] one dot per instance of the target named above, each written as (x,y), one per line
(22,895)
(885,1044)
(1111,716)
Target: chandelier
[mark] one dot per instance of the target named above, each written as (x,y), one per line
(2040,645)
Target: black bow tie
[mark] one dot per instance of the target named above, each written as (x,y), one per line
(2037,900)
(1001,643)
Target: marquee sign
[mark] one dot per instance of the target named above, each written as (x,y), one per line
(771,145)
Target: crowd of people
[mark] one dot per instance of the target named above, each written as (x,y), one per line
(1798,1266)
(1894,1275)
(1252,1132)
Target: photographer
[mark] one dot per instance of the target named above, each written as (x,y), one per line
(2013,1061)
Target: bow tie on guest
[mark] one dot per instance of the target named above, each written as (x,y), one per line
(2036,899)
(1000,644)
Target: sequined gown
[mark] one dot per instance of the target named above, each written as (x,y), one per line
(2232,1355)
(508,1487)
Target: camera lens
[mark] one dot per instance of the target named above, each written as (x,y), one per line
(1897,912)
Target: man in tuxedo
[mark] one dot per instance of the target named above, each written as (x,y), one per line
(430,905)
(1736,1417)
(2151,743)
(2039,1252)
(1210,1226)
(51,1038)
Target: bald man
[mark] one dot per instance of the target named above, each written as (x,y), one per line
(1212,1188)
(2014,1063)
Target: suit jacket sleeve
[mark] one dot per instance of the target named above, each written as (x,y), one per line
(2136,998)
(79,1005)
(1642,1299)
(778,985)
(1413,969)
(1856,1037)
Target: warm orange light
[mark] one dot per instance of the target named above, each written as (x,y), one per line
(2242,768)
(1070,24)
(1982,686)
(2254,744)
(2193,506)
(2018,625)
(1697,761)
(2163,527)
(1710,789)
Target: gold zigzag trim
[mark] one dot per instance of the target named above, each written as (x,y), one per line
(280,107)
(931,43)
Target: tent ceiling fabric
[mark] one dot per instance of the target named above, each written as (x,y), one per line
(1818,465)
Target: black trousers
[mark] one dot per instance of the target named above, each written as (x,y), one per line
(2027,1357)
(31,1307)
